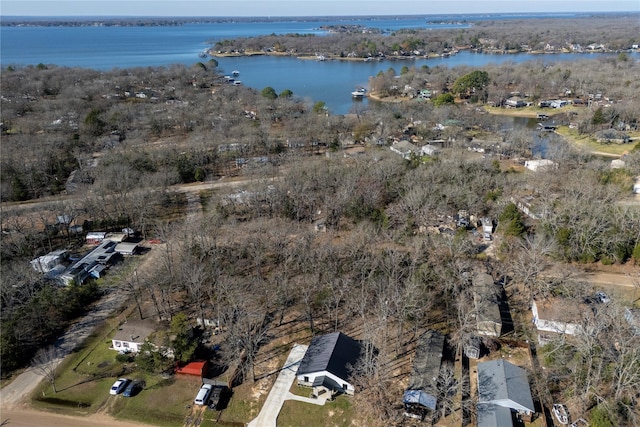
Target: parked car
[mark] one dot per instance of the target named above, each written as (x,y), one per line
(602,297)
(561,413)
(119,386)
(216,394)
(132,389)
(202,398)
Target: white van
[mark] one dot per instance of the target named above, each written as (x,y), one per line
(203,395)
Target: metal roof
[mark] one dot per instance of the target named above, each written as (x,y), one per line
(420,397)
(490,415)
(504,384)
(426,363)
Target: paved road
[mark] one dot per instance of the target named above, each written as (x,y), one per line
(279,392)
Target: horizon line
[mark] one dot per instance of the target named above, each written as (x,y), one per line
(572,12)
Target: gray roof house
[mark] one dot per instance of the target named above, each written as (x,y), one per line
(328,364)
(503,391)
(423,383)
(405,149)
(131,335)
(486,297)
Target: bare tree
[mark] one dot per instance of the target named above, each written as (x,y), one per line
(45,362)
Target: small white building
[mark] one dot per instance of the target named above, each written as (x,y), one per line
(126,248)
(540,164)
(429,150)
(617,164)
(95,237)
(636,186)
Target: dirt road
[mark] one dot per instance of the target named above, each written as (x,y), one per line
(30,418)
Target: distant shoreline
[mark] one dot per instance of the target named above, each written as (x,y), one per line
(117,21)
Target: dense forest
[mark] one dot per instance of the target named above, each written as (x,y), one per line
(326,222)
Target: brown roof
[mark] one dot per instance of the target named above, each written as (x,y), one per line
(568,310)
(135,331)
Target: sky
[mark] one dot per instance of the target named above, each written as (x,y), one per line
(262,8)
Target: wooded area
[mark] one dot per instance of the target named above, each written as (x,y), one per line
(326,223)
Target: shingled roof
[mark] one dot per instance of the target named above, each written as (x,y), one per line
(504,384)
(335,353)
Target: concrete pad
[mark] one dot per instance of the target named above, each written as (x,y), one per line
(319,401)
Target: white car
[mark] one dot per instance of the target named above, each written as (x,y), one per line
(119,386)
(203,395)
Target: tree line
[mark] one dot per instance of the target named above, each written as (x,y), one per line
(615,32)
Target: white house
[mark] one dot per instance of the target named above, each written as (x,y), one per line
(328,364)
(131,335)
(559,315)
(429,150)
(46,263)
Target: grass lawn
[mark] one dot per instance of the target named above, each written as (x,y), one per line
(244,405)
(590,143)
(163,402)
(85,377)
(338,413)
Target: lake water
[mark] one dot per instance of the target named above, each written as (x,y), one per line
(108,47)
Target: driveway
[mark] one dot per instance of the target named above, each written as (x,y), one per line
(280,390)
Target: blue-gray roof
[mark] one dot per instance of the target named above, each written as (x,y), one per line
(335,353)
(490,415)
(504,384)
